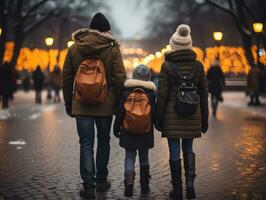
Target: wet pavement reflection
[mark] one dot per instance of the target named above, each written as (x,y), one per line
(40,155)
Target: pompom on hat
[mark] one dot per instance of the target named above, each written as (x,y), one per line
(181,39)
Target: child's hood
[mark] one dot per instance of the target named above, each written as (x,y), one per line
(129,83)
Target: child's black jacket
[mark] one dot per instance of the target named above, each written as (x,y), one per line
(130,140)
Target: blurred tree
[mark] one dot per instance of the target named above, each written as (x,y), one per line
(200,15)
(243,17)
(25,16)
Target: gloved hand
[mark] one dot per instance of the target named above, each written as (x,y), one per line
(68,107)
(204,126)
(158,126)
(117,134)
(116,129)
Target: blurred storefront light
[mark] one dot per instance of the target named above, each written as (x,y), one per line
(168,48)
(218,36)
(257,27)
(49,41)
(158,54)
(70,43)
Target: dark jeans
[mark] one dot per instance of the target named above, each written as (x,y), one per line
(254,98)
(174,147)
(85,126)
(5,99)
(38,97)
(130,159)
(214,102)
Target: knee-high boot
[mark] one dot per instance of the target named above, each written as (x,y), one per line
(144,179)
(129,183)
(189,165)
(176,174)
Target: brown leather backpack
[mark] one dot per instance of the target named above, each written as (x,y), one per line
(137,112)
(90,82)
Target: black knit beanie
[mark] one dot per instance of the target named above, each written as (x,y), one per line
(100,23)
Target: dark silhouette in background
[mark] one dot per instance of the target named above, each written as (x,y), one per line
(6,84)
(216,83)
(38,81)
(254,79)
(56,77)
(25,78)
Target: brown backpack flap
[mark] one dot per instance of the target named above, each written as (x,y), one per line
(137,112)
(90,82)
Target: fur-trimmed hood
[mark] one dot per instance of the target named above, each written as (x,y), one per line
(90,41)
(138,83)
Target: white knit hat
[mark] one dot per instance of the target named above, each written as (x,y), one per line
(181,39)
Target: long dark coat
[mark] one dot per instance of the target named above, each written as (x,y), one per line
(172,125)
(38,79)
(130,140)
(216,80)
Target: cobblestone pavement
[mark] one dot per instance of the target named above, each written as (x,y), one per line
(40,155)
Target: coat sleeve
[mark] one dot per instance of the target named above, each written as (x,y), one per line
(68,78)
(152,99)
(203,93)
(118,73)
(162,95)
(119,114)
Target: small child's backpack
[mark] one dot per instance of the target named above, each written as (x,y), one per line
(137,112)
(90,82)
(188,99)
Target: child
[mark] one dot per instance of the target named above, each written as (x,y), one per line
(134,126)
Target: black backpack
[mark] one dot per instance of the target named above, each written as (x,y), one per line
(188,99)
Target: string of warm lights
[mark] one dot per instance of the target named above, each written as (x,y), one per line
(232,59)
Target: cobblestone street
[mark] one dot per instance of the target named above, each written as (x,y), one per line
(39,152)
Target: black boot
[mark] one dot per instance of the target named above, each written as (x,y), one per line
(129,183)
(176,173)
(189,165)
(88,193)
(144,179)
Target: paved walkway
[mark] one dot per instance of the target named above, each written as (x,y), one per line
(40,155)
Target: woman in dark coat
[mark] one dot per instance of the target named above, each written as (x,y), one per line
(216,83)
(133,142)
(174,127)
(38,80)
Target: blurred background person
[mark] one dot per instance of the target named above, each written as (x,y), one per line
(216,83)
(48,74)
(263,79)
(253,85)
(38,81)
(25,78)
(5,84)
(14,77)
(56,77)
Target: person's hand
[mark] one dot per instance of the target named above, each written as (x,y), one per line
(204,126)
(158,126)
(117,134)
(68,107)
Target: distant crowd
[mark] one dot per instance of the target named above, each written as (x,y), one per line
(37,80)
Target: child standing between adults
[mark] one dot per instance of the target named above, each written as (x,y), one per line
(134,126)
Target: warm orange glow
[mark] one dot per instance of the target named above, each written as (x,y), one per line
(257,27)
(49,41)
(0,31)
(158,54)
(218,36)
(232,59)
